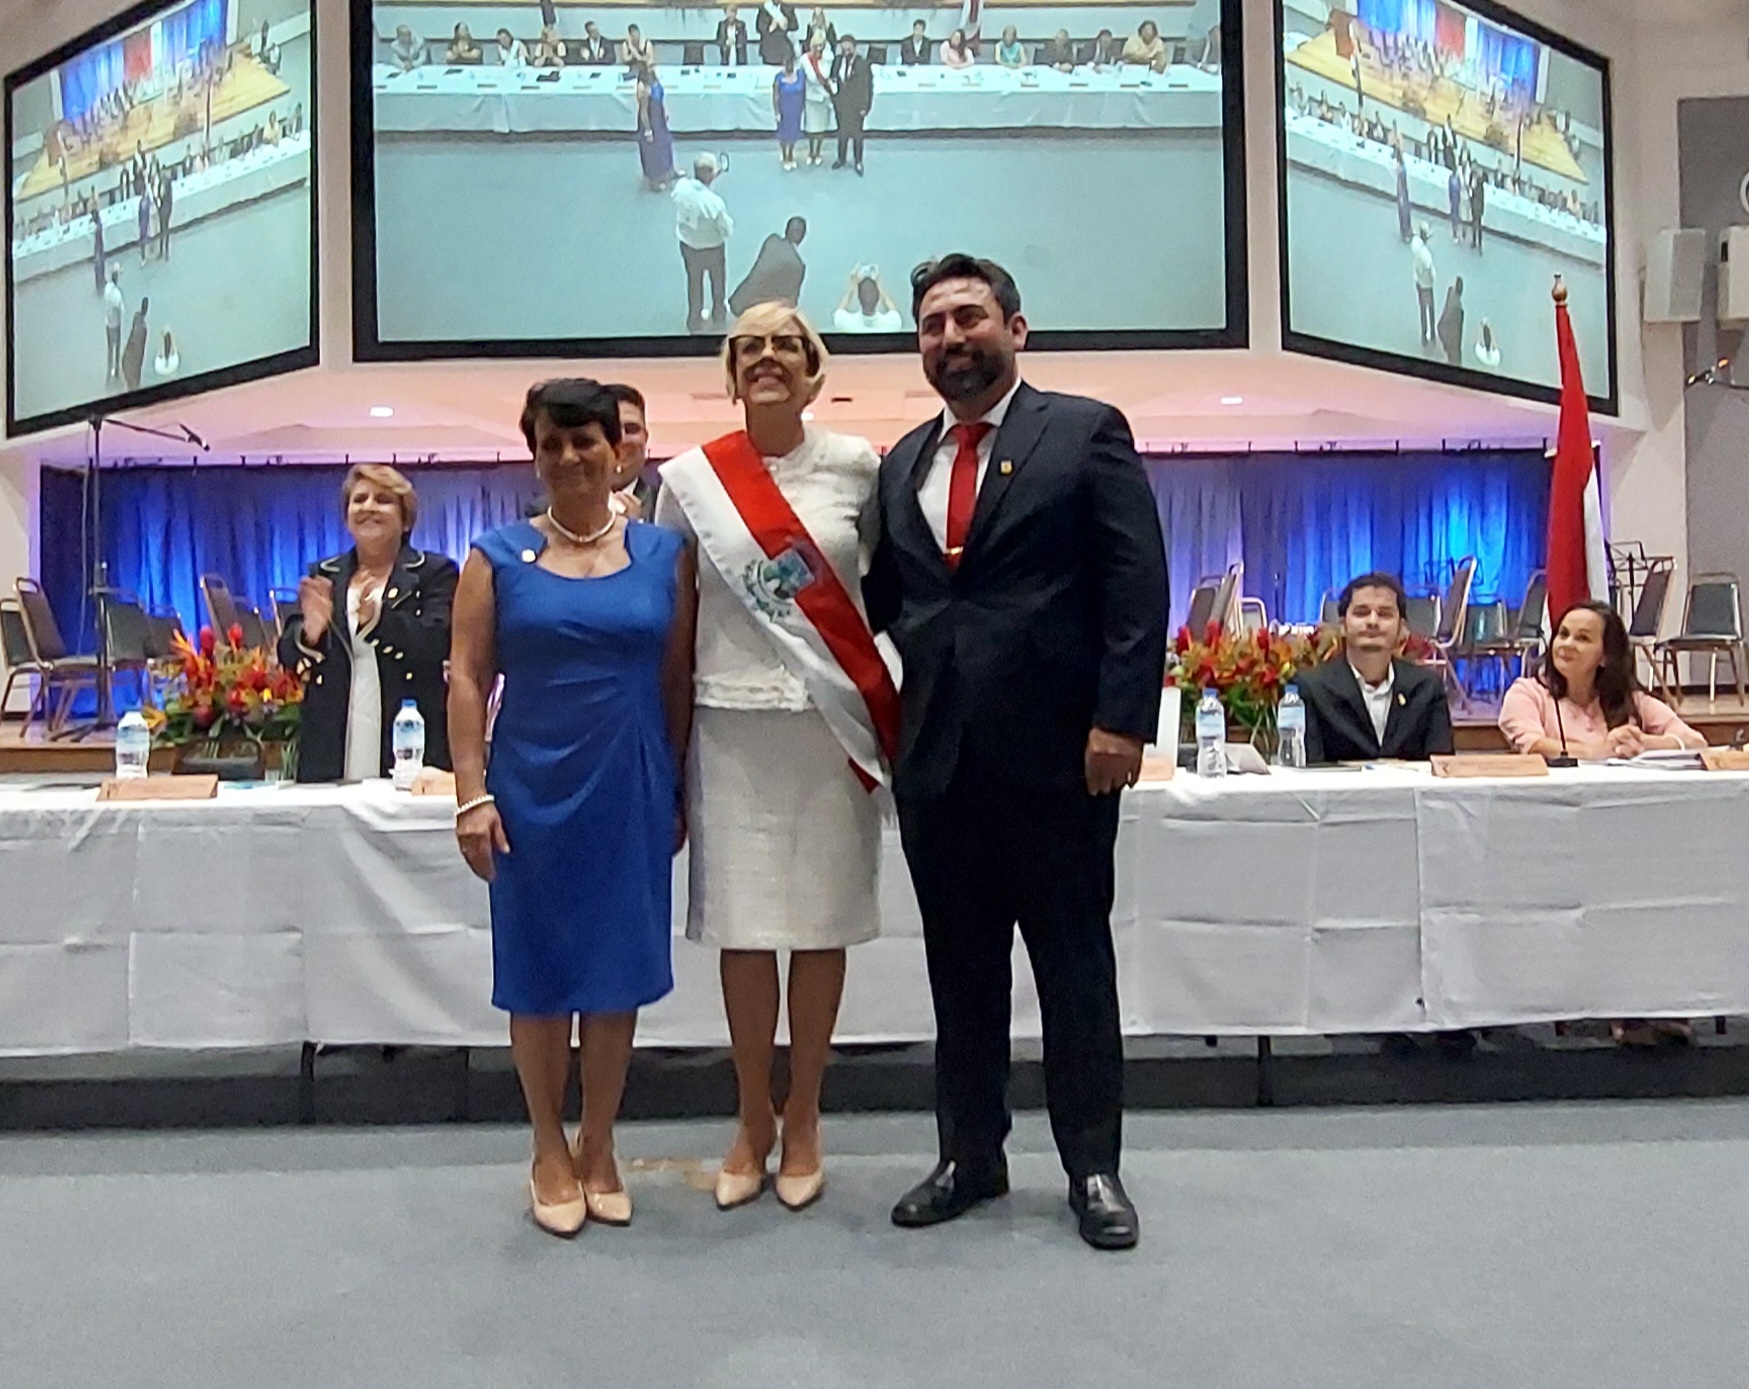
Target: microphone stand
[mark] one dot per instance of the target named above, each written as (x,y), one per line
(100,592)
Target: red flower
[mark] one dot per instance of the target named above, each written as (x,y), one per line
(208,642)
(203,716)
(234,635)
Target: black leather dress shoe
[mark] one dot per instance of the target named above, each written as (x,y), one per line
(1105,1212)
(948,1193)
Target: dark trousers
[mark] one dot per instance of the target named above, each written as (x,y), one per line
(112,359)
(1477,224)
(985,857)
(699,264)
(1427,318)
(850,132)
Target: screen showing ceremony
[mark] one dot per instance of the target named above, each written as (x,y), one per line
(160,206)
(1442,168)
(612,171)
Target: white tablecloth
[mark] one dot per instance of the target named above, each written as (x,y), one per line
(1317,902)
(986,97)
(1341,154)
(216,188)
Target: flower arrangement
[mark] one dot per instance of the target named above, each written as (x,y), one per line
(226,697)
(1248,670)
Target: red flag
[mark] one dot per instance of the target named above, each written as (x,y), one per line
(1575,566)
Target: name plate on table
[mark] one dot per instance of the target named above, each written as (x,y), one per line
(434,781)
(1725,759)
(159,788)
(1466,765)
(1157,767)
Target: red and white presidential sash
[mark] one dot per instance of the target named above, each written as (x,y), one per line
(752,537)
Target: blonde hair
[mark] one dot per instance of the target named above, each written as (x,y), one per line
(763,320)
(390,479)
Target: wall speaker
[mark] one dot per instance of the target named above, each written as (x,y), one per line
(1675,274)
(1734,276)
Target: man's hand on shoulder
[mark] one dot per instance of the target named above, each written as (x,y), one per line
(1113,761)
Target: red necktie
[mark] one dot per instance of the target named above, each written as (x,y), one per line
(962,487)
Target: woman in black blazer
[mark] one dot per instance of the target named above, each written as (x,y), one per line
(372,629)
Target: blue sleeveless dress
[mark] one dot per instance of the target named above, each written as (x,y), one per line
(584,778)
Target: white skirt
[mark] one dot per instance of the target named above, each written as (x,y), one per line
(784,844)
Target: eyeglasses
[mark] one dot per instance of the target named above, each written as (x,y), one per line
(752,347)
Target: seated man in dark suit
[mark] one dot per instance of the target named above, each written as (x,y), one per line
(777,273)
(914,51)
(1366,702)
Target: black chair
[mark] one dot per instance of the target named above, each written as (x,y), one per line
(692,55)
(877,54)
(220,606)
(1712,626)
(254,629)
(55,665)
(1520,638)
(1647,622)
(1329,611)
(129,636)
(1202,608)
(1226,609)
(19,658)
(1454,613)
(162,627)
(285,607)
(1423,615)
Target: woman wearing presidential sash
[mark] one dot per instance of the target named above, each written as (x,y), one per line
(796,716)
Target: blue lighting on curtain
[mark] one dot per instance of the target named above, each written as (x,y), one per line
(90,77)
(257,528)
(1415,19)
(186,29)
(1302,523)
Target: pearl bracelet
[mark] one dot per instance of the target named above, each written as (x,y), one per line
(474,804)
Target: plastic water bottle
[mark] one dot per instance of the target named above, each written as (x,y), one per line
(1211,735)
(133,746)
(1290,727)
(408,740)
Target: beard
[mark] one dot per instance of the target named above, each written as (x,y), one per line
(969,372)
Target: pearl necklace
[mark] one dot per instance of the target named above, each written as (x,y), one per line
(572,535)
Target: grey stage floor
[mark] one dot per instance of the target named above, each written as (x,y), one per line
(1603,1245)
(236,288)
(559,238)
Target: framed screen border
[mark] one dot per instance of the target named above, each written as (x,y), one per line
(257,368)
(1402,364)
(368,345)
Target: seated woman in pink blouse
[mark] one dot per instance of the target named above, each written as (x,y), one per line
(1586,701)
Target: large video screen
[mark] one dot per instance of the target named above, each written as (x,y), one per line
(622,178)
(161,208)
(1444,162)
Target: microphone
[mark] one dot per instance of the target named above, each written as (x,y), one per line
(194,438)
(1565,759)
(1710,376)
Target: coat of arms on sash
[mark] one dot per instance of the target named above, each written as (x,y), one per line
(772,584)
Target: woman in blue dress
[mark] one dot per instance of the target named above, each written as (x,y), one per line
(589,618)
(655,143)
(789,93)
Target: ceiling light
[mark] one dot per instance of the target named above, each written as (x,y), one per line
(382,412)
(1232,400)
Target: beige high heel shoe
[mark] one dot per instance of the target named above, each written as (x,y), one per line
(739,1188)
(801,1190)
(561,1218)
(607,1207)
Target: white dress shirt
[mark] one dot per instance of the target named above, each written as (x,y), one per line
(364,705)
(1378,698)
(700,217)
(933,495)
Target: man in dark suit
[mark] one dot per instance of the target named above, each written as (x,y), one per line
(777,273)
(914,51)
(732,38)
(593,50)
(774,23)
(1021,573)
(1367,703)
(852,82)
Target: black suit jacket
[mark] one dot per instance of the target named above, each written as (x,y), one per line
(914,54)
(1055,621)
(852,83)
(411,638)
(732,36)
(774,39)
(601,53)
(1339,728)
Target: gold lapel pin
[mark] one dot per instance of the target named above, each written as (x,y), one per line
(528,556)
(1402,702)
(392,595)
(1005,467)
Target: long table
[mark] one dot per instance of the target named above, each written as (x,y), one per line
(1341,154)
(217,188)
(514,101)
(1301,903)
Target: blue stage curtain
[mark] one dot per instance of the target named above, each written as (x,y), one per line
(1303,524)
(1307,523)
(186,29)
(257,528)
(90,77)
